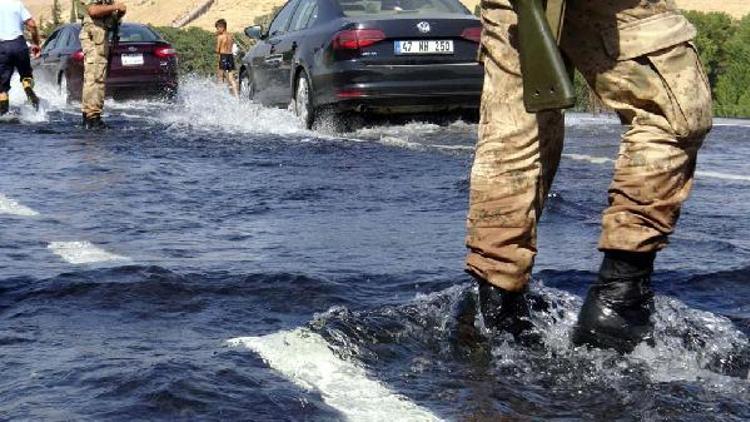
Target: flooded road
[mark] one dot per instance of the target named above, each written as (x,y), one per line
(212,260)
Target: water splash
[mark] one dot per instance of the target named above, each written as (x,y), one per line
(203,104)
(426,337)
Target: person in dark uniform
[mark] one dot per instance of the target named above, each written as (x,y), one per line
(14,52)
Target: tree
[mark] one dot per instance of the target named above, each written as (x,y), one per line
(714,30)
(732,90)
(195,48)
(56,13)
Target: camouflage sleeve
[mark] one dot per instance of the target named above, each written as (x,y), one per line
(87,3)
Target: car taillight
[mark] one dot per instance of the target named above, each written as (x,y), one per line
(78,56)
(472,34)
(165,52)
(354,39)
(350,93)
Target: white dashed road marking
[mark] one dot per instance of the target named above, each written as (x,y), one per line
(83,253)
(10,206)
(306,359)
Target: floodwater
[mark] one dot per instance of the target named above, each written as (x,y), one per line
(208,260)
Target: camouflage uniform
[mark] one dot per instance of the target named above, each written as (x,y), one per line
(638,58)
(95,45)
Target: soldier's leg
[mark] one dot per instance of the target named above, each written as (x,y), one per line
(23,65)
(95,49)
(515,161)
(6,72)
(638,60)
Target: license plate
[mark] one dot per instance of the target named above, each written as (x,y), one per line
(132,59)
(423,47)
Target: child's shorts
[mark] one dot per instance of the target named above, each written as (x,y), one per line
(226,62)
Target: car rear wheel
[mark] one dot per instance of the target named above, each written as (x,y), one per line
(247,86)
(303,107)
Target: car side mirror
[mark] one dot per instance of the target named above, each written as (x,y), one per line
(254,32)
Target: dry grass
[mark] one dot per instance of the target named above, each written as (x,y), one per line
(240,13)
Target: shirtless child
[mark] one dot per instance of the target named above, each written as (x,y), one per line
(224,43)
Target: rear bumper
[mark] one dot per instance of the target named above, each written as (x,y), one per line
(401,89)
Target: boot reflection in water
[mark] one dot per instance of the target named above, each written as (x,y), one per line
(617,311)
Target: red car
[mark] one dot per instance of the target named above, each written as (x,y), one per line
(143,64)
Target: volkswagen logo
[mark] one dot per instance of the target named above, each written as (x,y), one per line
(424,27)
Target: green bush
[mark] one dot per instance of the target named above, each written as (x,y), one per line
(195,49)
(732,89)
(723,44)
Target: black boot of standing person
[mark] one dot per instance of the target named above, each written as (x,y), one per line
(94,122)
(503,310)
(617,311)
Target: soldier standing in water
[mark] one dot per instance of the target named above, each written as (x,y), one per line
(99,17)
(637,56)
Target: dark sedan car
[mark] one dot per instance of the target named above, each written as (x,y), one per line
(372,56)
(143,64)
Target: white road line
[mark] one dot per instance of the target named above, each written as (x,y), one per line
(709,174)
(10,206)
(83,253)
(307,360)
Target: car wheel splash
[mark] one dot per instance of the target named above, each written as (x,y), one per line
(302,102)
(62,88)
(247,87)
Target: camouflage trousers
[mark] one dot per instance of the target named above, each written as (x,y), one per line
(95,50)
(637,57)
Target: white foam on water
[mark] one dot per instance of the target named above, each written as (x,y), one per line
(587,119)
(723,176)
(307,360)
(669,359)
(10,206)
(20,106)
(83,252)
(454,147)
(589,158)
(731,122)
(206,104)
(708,174)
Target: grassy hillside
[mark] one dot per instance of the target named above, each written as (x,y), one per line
(240,13)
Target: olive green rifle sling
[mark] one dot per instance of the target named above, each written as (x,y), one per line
(546,82)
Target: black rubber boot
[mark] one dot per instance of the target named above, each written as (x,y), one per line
(93,122)
(4,107)
(28,88)
(503,310)
(617,311)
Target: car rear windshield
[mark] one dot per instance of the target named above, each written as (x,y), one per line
(397,7)
(138,33)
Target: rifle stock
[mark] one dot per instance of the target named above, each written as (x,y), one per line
(546,82)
